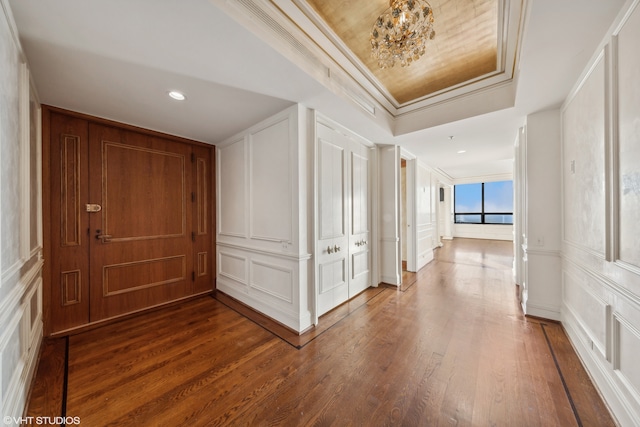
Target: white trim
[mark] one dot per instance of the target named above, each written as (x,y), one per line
(14,297)
(13,29)
(620,321)
(542,252)
(543,310)
(608,283)
(24,176)
(391,280)
(258,250)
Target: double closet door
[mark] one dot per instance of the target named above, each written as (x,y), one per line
(344,218)
(130,217)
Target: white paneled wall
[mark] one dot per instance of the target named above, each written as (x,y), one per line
(601,217)
(263,197)
(20,225)
(539,239)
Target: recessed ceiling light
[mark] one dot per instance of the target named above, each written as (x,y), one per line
(462,151)
(178,96)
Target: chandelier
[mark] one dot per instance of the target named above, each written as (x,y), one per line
(401,32)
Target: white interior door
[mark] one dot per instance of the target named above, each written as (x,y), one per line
(360,219)
(332,244)
(343,246)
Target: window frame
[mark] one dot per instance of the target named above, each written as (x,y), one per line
(482,213)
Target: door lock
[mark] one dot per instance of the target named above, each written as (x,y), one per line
(93,207)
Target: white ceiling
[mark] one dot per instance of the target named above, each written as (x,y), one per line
(118,59)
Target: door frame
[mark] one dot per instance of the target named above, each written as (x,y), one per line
(411,214)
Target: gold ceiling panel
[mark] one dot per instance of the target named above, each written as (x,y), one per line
(465,46)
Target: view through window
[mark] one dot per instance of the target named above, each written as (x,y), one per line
(484,203)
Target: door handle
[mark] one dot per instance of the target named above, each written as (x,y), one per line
(329,250)
(104,237)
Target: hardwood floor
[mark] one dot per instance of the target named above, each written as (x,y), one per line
(452,348)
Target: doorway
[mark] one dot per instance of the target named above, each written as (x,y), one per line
(408,235)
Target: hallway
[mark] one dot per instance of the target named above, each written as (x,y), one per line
(453,348)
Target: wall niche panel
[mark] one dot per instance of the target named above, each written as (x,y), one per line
(629,140)
(584,163)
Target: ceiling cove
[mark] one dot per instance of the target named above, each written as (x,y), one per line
(469,68)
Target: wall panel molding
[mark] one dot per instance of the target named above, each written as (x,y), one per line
(21,326)
(229,268)
(591,312)
(611,285)
(626,344)
(271,212)
(233,197)
(263,251)
(19,290)
(584,169)
(609,387)
(272,279)
(264,177)
(21,261)
(626,65)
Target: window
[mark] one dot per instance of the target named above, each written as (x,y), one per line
(484,203)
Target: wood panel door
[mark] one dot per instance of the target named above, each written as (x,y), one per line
(69,238)
(141,242)
(131,217)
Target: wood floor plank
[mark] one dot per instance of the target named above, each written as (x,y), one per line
(452,348)
(46,399)
(588,404)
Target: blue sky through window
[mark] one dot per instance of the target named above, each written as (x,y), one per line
(498,199)
(498,196)
(468,198)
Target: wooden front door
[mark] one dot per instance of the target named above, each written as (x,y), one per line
(140,205)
